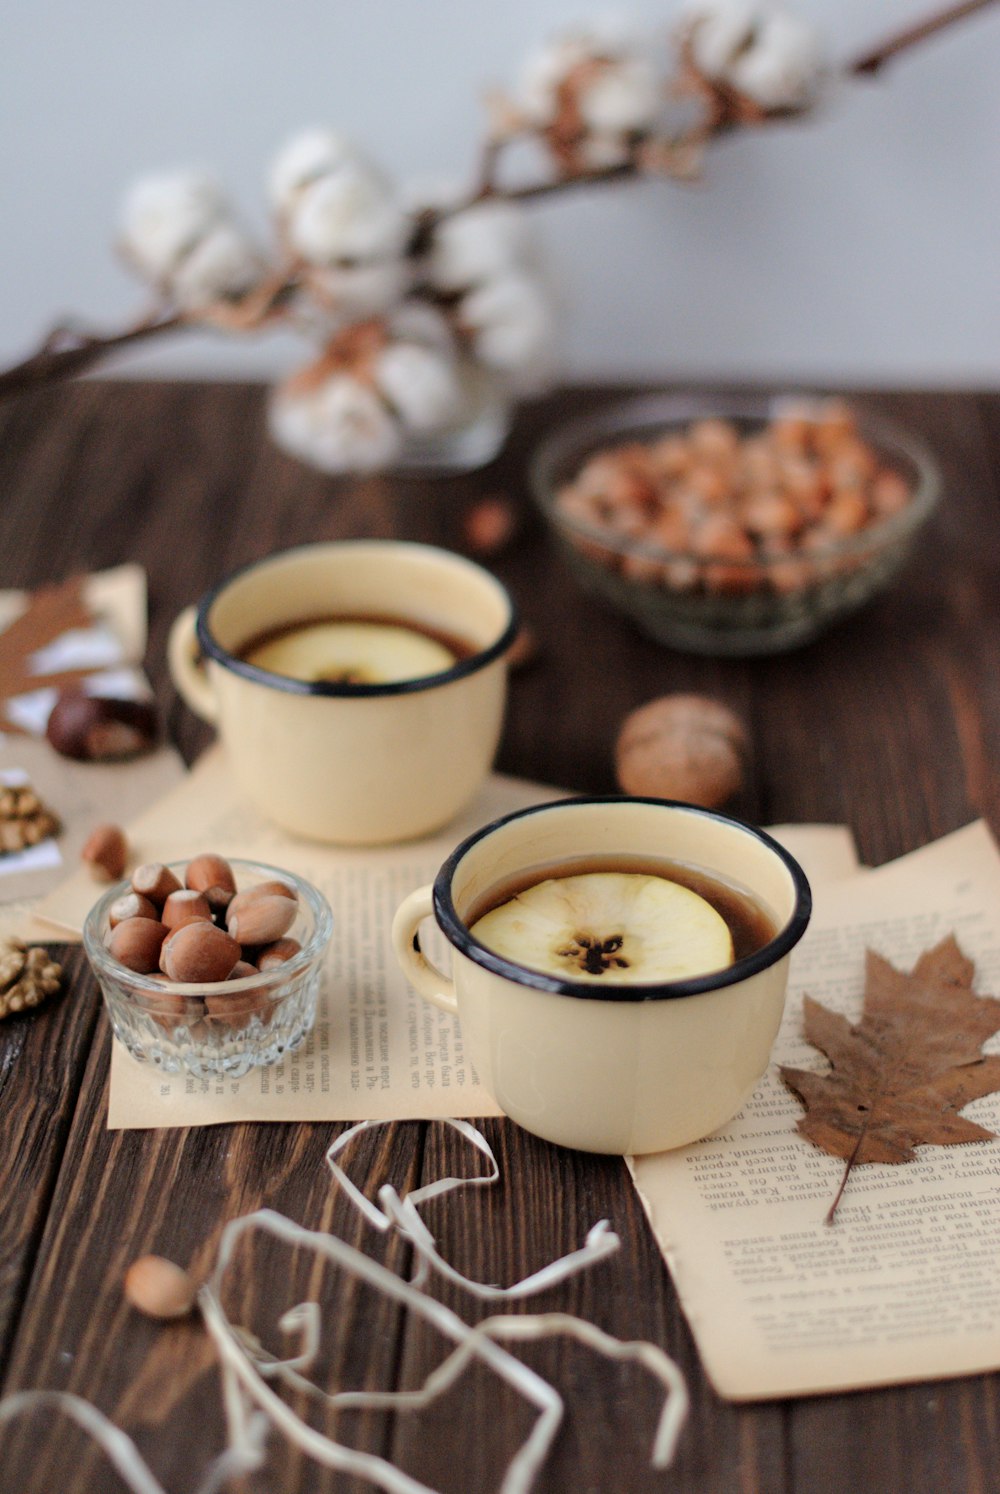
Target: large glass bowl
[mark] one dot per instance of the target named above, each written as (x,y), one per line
(225,1027)
(766,604)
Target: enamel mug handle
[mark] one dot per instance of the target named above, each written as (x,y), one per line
(425,977)
(186,669)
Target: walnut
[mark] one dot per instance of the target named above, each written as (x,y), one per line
(682,747)
(24,819)
(27,976)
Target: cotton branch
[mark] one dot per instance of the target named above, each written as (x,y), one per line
(68,351)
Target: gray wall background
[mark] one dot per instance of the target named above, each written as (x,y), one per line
(861,246)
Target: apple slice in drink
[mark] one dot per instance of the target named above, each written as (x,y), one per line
(616,928)
(352,652)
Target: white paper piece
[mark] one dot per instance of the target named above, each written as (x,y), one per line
(42,857)
(400,1213)
(118,684)
(904,1285)
(13,777)
(78,648)
(31,710)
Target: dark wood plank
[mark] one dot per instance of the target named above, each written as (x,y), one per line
(544,1204)
(890,723)
(42,1058)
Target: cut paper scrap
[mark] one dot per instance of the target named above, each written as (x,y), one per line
(85,633)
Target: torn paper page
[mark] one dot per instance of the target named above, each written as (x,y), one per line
(904,1285)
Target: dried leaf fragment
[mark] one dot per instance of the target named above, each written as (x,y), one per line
(899,1078)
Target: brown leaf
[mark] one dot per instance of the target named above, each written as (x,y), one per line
(899,1078)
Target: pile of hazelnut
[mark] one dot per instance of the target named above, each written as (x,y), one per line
(717,501)
(204,932)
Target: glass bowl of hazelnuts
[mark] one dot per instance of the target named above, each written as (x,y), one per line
(211,966)
(734,525)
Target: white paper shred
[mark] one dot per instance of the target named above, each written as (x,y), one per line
(252,1407)
(401,1213)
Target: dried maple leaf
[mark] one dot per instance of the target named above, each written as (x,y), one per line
(899,1078)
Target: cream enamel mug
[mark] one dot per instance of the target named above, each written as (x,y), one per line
(626,1069)
(345,762)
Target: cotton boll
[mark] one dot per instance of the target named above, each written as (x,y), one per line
(623,97)
(304,159)
(220,265)
(480,243)
(421,384)
(781,68)
(362,290)
(418,321)
(164,215)
(720,31)
(343,426)
(543,72)
(352,214)
(510,322)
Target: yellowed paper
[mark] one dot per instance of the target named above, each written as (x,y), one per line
(904,1285)
(378,1050)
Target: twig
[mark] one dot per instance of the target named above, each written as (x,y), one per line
(874,60)
(50,364)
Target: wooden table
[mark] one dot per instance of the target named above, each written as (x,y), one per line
(890,724)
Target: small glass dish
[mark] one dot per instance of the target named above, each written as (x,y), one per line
(225,1027)
(761,604)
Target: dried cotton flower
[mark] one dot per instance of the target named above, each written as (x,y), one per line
(421,384)
(766,54)
(781,69)
(222,264)
(484,241)
(510,323)
(340,426)
(363,290)
(303,159)
(604,78)
(351,214)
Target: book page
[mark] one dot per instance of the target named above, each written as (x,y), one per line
(378,1050)
(903,1285)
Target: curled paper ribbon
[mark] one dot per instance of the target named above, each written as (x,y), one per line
(400,1212)
(252,1406)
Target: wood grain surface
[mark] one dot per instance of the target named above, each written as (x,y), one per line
(891,723)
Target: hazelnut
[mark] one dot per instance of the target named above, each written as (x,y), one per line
(105,851)
(489,525)
(184,905)
(155,881)
(277,953)
(241,970)
(681,747)
(208,871)
(131,905)
(97,728)
(200,953)
(135,943)
(260,919)
(159,1288)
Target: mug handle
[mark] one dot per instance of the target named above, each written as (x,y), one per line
(186,670)
(428,980)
